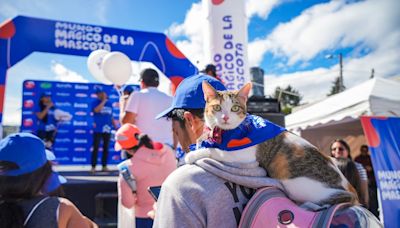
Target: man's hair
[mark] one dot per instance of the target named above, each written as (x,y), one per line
(150,77)
(178,115)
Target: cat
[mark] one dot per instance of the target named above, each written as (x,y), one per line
(305,173)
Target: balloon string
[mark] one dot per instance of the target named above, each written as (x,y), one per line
(119,90)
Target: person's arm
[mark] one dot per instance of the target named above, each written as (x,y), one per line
(364,185)
(40,115)
(128,198)
(364,193)
(129,109)
(128,117)
(70,217)
(100,106)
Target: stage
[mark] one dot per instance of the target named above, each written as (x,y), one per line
(94,194)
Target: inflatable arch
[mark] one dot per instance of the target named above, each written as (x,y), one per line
(21,36)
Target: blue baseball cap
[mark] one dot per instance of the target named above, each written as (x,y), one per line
(128,89)
(25,150)
(189,94)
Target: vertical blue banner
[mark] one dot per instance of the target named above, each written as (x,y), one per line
(73,142)
(383,136)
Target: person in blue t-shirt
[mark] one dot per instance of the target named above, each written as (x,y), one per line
(103,123)
(47,123)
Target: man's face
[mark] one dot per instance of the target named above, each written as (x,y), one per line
(182,134)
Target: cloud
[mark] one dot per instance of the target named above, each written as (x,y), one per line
(260,8)
(330,26)
(369,25)
(101,11)
(64,74)
(193,31)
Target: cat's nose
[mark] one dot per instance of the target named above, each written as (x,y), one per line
(225,118)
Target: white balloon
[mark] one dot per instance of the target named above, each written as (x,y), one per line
(117,67)
(95,63)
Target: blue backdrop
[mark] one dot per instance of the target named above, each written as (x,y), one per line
(74,138)
(383,136)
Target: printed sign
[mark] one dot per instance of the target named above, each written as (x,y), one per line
(383,136)
(73,142)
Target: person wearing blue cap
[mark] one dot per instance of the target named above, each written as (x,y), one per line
(208,193)
(25,169)
(103,123)
(47,123)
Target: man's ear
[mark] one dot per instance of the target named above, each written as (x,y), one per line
(188,118)
(209,91)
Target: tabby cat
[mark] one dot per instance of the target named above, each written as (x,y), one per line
(306,174)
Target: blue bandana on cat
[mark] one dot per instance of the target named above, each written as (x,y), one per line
(252,131)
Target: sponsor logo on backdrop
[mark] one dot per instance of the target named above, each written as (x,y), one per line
(62,159)
(113,96)
(80,149)
(81,105)
(81,113)
(28,122)
(62,131)
(82,87)
(63,140)
(80,141)
(63,104)
(63,94)
(75,159)
(29,93)
(29,84)
(79,123)
(93,95)
(45,85)
(80,131)
(28,103)
(61,149)
(63,85)
(81,95)
(26,113)
(115,104)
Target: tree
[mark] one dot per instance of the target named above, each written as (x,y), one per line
(288,97)
(335,87)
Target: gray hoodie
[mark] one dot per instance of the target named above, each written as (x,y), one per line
(208,193)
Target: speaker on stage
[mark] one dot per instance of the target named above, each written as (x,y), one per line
(268,108)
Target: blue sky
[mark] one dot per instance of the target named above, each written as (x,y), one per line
(289,39)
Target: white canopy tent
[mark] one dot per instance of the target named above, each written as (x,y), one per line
(338,116)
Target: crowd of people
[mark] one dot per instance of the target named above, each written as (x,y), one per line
(153,126)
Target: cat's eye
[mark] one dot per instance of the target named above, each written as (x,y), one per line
(235,108)
(217,108)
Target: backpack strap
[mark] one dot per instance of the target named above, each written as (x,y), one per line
(324,218)
(34,209)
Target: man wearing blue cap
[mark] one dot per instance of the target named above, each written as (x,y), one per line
(208,193)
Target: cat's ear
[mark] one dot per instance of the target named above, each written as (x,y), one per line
(244,91)
(209,91)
